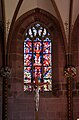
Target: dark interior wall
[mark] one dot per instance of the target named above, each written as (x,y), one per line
(1,58)
(20,104)
(1,82)
(75,62)
(1,64)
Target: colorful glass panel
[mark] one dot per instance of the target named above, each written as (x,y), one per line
(28,47)
(27,59)
(49,87)
(46,59)
(37,46)
(47,39)
(44,32)
(27,74)
(37,39)
(37,73)
(37,57)
(27,39)
(47,47)
(47,72)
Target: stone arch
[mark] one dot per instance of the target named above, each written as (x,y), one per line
(15,47)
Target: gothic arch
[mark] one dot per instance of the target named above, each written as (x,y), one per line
(15,46)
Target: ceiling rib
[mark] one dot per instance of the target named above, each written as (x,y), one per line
(61,23)
(70,20)
(14,18)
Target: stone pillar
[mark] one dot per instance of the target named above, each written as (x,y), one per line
(5,72)
(70,72)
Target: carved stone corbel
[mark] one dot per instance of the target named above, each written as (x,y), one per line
(5,72)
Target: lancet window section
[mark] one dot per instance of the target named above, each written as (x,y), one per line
(38,57)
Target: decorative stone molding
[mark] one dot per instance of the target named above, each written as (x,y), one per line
(70,71)
(5,72)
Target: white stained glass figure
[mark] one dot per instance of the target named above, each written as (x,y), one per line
(30,32)
(34,31)
(44,33)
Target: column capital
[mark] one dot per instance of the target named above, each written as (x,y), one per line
(70,71)
(5,72)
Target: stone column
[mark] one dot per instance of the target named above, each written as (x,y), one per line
(70,73)
(5,72)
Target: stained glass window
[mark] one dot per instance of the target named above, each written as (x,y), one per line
(38,57)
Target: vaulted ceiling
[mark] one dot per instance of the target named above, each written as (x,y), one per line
(58,8)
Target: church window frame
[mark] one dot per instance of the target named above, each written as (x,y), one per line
(30,33)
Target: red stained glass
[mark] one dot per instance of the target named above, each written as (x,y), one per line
(28,47)
(47,47)
(37,57)
(27,59)
(47,60)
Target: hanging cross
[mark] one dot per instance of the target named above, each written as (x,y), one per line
(37,87)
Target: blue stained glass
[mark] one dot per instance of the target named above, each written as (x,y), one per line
(37,39)
(37,57)
(47,47)
(27,78)
(47,59)
(47,39)
(27,39)
(27,74)
(27,59)
(28,47)
(47,72)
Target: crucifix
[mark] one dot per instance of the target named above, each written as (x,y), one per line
(36,86)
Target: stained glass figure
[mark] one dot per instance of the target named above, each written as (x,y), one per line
(47,47)
(38,73)
(46,59)
(27,77)
(28,47)
(28,60)
(38,57)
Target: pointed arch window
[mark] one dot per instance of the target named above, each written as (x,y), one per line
(38,56)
